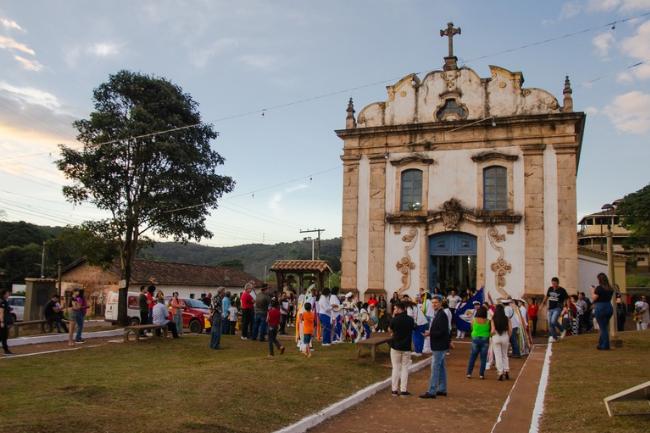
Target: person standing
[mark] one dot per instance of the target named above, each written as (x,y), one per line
(533,310)
(337,318)
(481,328)
(421,322)
(273,319)
(602,298)
(247,312)
(453,301)
(150,298)
(6,320)
(216,305)
(642,314)
(555,295)
(514,325)
(284,313)
(177,312)
(325,316)
(306,322)
(621,313)
(401,327)
(439,337)
(159,316)
(79,307)
(262,302)
(581,309)
(232,317)
(500,331)
(225,308)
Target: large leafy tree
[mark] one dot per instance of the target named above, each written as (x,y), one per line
(162,184)
(634,210)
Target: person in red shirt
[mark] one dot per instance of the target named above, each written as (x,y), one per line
(372,300)
(247,311)
(150,291)
(273,321)
(533,309)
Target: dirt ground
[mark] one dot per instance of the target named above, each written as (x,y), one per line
(471,404)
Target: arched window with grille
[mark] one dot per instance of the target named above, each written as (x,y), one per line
(411,190)
(495,188)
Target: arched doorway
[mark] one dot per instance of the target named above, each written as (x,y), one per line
(452,261)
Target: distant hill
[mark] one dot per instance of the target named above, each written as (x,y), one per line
(21,243)
(253,256)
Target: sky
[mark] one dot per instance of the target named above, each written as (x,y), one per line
(305,58)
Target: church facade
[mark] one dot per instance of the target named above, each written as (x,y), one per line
(458,181)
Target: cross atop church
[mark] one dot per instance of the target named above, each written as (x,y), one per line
(450,31)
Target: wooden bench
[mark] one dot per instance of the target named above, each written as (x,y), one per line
(136,329)
(17,325)
(372,344)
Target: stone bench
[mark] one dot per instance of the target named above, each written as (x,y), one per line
(136,329)
(372,343)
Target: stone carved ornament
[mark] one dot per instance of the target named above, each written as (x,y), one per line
(501,267)
(452,214)
(405,265)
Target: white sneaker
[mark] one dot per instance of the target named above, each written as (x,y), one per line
(563,334)
(416,354)
(552,340)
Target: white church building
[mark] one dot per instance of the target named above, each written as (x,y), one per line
(461,181)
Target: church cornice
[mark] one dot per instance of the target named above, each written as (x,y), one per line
(452,213)
(464,125)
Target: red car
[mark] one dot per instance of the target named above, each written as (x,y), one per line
(195,315)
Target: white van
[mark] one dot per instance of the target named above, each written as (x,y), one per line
(132,307)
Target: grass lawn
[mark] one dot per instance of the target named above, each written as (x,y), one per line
(582,376)
(176,386)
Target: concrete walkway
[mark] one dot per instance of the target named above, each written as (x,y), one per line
(472,404)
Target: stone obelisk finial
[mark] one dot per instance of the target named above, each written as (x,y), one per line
(568,96)
(450,60)
(350,121)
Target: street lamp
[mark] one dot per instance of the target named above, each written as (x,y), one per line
(609,209)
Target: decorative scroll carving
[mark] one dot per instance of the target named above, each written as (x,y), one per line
(405,265)
(501,267)
(489,156)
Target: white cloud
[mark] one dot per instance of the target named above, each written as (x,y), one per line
(30,65)
(104,49)
(623,5)
(8,43)
(638,47)
(603,42)
(29,95)
(10,24)
(592,111)
(259,61)
(201,56)
(275,203)
(630,112)
(570,9)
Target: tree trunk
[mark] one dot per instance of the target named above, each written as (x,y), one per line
(126,259)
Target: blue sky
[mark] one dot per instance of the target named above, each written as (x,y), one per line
(238,57)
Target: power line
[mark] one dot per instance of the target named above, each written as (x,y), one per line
(262,111)
(629,67)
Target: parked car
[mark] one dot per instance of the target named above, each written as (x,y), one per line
(132,308)
(195,315)
(17,304)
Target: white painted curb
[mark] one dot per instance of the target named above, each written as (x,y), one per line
(313,420)
(56,338)
(538,410)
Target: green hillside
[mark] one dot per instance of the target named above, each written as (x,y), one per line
(21,244)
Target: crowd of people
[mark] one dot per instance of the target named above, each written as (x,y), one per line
(263,314)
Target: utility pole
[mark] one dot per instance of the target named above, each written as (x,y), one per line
(43,261)
(318,240)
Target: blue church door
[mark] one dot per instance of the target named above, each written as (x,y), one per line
(452,262)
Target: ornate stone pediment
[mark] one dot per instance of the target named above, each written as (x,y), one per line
(416,157)
(490,156)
